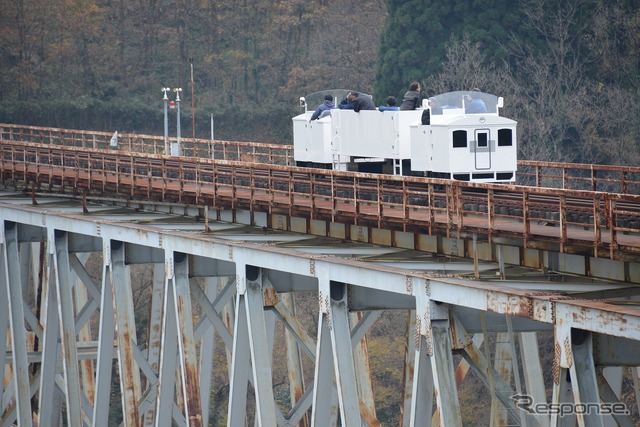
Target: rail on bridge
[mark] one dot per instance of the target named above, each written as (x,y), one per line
(479,290)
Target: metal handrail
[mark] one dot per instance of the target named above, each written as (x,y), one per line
(574,176)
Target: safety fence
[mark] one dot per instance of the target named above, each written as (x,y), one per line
(570,176)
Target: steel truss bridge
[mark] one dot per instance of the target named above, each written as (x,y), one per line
(236,249)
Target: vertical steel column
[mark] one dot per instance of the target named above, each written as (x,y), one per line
(186,343)
(583,377)
(343,355)
(259,347)
(105,342)
(444,381)
(207,350)
(533,375)
(423,383)
(409,368)
(294,359)
(240,363)
(461,372)
(363,375)
(562,385)
(250,339)
(126,337)
(154,344)
(325,396)
(24,249)
(10,259)
(167,368)
(502,363)
(81,299)
(60,258)
(635,374)
(4,318)
(613,376)
(422,391)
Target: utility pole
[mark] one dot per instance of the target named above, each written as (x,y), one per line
(176,150)
(193,104)
(165,99)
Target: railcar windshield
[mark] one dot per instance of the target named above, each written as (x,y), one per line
(467,102)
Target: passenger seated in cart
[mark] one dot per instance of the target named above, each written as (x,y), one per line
(326,106)
(474,105)
(392,105)
(435,108)
(357,101)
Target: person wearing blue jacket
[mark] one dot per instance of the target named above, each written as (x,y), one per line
(475,104)
(325,106)
(392,105)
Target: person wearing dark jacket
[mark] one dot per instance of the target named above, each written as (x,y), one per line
(356,102)
(412,98)
(325,106)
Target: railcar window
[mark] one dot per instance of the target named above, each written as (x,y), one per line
(482,139)
(505,137)
(459,138)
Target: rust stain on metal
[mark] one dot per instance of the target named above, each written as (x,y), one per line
(460,339)
(129,373)
(428,336)
(416,332)
(368,414)
(270,297)
(556,363)
(409,285)
(568,352)
(520,306)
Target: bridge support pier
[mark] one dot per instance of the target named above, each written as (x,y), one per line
(251,352)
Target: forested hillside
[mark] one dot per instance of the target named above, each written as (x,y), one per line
(101,64)
(568,71)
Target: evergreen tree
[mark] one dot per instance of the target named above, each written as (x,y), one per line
(415,35)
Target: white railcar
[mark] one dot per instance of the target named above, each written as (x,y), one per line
(452,142)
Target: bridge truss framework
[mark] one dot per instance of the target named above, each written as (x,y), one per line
(239,281)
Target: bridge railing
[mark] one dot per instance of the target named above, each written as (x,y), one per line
(580,176)
(570,176)
(150,144)
(606,224)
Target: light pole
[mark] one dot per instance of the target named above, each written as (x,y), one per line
(177,149)
(165,99)
(213,142)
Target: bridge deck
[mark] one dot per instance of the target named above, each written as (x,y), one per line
(601,224)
